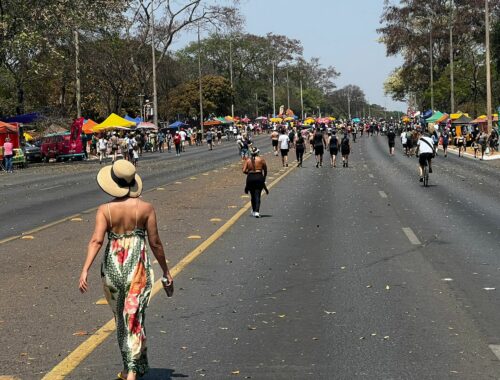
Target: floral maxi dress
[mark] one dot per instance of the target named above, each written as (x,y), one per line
(127,279)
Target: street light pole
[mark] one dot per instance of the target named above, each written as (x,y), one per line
(452,79)
(231,75)
(301,101)
(488,68)
(287,90)
(431,66)
(199,81)
(349,102)
(153,53)
(274,95)
(77,76)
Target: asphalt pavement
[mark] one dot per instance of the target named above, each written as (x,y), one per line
(46,193)
(355,272)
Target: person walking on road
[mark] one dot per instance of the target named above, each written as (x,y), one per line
(300,147)
(482,141)
(255,168)
(284,143)
(177,143)
(333,145)
(445,140)
(274,141)
(460,144)
(391,137)
(345,149)
(103,147)
(126,270)
(319,146)
(210,138)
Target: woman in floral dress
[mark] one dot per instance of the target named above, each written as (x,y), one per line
(126,270)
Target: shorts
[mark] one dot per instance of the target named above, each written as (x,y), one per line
(319,150)
(275,143)
(405,145)
(334,151)
(460,144)
(284,152)
(346,152)
(391,144)
(423,158)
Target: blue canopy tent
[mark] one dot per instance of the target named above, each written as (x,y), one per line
(23,119)
(136,120)
(177,124)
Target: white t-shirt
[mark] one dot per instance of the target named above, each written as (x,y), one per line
(102,144)
(183,135)
(404,140)
(284,140)
(423,147)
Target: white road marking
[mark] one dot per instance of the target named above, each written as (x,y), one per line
(495,348)
(411,236)
(382,194)
(370,175)
(50,188)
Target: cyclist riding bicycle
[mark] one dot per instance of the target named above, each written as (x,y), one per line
(425,153)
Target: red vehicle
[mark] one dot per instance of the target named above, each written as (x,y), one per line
(64,146)
(61,147)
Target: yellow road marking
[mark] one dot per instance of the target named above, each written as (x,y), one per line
(245,196)
(9,378)
(77,356)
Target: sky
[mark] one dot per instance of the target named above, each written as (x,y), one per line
(342,33)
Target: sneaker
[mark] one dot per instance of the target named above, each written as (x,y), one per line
(317,164)
(253,213)
(257,215)
(421,179)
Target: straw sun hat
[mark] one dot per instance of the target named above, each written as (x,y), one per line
(120,180)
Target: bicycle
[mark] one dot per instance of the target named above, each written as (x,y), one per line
(426,174)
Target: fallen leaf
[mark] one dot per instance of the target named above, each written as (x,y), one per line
(282,315)
(163,332)
(368,286)
(386,337)
(80,333)
(252,328)
(387,287)
(489,288)
(330,312)
(28,237)
(235,372)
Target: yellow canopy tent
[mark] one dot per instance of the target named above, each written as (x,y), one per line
(113,121)
(276,119)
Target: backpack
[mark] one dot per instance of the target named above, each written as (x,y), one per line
(345,143)
(333,142)
(177,139)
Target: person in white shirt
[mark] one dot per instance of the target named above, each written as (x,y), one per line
(284,144)
(103,147)
(183,135)
(425,152)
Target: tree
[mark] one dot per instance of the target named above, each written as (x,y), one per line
(184,99)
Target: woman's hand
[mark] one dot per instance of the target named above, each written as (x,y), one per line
(169,277)
(83,285)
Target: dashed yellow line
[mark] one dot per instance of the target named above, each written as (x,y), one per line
(75,358)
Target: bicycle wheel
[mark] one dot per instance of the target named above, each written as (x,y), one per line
(426,175)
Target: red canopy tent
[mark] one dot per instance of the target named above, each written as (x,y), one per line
(8,130)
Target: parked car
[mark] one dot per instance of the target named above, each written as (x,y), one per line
(61,147)
(32,153)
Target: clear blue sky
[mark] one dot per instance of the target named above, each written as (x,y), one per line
(342,33)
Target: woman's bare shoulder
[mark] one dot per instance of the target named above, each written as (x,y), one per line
(146,206)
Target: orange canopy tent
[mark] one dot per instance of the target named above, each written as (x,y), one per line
(88,127)
(7,128)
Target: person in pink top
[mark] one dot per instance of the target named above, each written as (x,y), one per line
(8,153)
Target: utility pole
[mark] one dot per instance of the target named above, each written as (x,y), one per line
(349,102)
(256,105)
(287,90)
(199,80)
(141,97)
(231,75)
(274,95)
(488,68)
(77,76)
(452,79)
(431,64)
(153,53)
(301,101)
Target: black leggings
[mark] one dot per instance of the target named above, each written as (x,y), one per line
(178,148)
(300,154)
(255,184)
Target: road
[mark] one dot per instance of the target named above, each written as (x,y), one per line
(43,194)
(351,273)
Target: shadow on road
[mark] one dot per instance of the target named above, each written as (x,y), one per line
(163,374)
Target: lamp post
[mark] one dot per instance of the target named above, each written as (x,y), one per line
(301,101)
(488,68)
(431,64)
(231,76)
(153,54)
(199,81)
(452,79)
(274,95)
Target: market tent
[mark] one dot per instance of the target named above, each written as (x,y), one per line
(356,120)
(212,123)
(146,125)
(24,119)
(435,116)
(276,119)
(245,120)
(112,122)
(484,119)
(136,120)
(224,120)
(177,124)
(462,120)
(443,118)
(88,126)
(7,128)
(261,118)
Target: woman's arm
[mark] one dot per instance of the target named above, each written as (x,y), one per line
(264,168)
(245,167)
(94,246)
(155,242)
